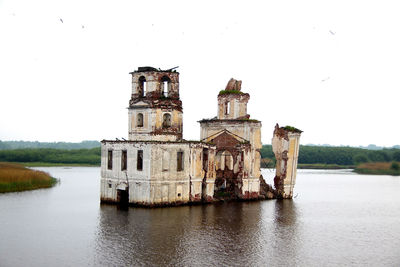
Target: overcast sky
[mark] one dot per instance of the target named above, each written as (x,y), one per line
(329,68)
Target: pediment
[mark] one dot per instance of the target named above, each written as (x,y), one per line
(140,104)
(225,138)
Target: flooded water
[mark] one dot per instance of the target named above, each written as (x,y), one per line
(337,219)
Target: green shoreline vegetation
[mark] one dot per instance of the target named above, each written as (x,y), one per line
(379,168)
(327,157)
(50,164)
(52,156)
(15,177)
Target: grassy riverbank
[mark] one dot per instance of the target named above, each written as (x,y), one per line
(379,168)
(61,157)
(320,166)
(15,177)
(49,164)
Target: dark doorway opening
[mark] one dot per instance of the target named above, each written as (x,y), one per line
(123,197)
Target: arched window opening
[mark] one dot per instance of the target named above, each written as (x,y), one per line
(142,86)
(166,120)
(218,159)
(227,108)
(165,85)
(224,160)
(228,160)
(140,120)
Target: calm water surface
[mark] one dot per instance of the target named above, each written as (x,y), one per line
(337,219)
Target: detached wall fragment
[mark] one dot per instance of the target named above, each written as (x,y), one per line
(285,145)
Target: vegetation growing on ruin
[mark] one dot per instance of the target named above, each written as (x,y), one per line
(225,92)
(15,177)
(292,129)
(250,120)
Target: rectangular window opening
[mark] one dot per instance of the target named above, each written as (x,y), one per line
(179,159)
(227,108)
(205,159)
(109,160)
(124,160)
(139,165)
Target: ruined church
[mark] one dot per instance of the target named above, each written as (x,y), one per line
(157,167)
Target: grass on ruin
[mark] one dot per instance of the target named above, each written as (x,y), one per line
(379,168)
(227,92)
(292,129)
(15,177)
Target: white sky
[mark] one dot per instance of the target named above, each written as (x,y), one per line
(330,68)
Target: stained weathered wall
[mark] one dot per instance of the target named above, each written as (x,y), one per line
(248,130)
(152,128)
(155,94)
(168,184)
(237,107)
(285,144)
(154,84)
(138,181)
(232,117)
(160,182)
(232,102)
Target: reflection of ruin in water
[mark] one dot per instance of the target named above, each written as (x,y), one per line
(170,236)
(286,228)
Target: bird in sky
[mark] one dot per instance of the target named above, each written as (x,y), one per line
(61,20)
(333,33)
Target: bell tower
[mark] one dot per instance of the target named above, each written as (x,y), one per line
(232,102)
(155,110)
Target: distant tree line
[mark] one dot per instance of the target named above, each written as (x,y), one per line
(349,156)
(338,155)
(58,145)
(51,155)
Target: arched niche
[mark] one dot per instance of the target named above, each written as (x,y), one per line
(166,121)
(165,86)
(142,86)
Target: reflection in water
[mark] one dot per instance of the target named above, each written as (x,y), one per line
(204,235)
(336,220)
(285,231)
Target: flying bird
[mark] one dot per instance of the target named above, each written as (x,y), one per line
(325,79)
(333,33)
(61,20)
